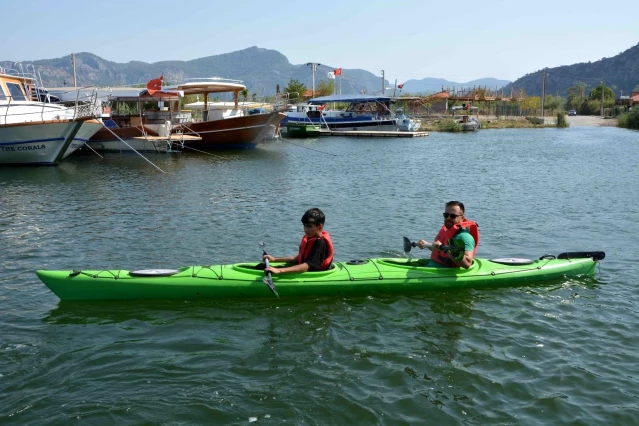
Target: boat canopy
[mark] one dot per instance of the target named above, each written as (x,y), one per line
(208,85)
(106,94)
(349,98)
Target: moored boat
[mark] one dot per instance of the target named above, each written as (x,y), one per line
(40,131)
(360,113)
(356,277)
(140,120)
(302,130)
(227,127)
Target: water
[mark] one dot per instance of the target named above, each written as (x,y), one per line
(556,353)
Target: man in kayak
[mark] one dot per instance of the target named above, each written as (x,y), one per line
(316,248)
(457,232)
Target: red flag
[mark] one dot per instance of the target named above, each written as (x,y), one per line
(154,85)
(321,108)
(337,71)
(400,85)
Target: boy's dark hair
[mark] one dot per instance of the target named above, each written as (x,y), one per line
(313,216)
(456,203)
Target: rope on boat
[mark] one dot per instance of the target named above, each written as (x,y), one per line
(94,151)
(132,149)
(204,152)
(210,268)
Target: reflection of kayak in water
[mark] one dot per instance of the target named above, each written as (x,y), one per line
(356,277)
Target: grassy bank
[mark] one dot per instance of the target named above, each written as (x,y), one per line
(436,124)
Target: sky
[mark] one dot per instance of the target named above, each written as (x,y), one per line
(407,39)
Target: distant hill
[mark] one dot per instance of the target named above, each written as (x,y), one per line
(621,73)
(430,85)
(261,70)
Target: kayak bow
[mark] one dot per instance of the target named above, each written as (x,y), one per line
(356,277)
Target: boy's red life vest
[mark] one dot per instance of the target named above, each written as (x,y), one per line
(307,244)
(444,235)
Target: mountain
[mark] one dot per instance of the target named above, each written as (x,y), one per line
(261,70)
(621,73)
(431,85)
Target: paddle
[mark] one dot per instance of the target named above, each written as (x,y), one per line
(268,280)
(408,245)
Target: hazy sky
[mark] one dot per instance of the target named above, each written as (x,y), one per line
(456,40)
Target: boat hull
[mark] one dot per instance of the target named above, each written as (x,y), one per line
(371,276)
(230,133)
(88,129)
(37,143)
(302,130)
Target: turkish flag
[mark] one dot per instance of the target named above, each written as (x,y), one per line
(400,85)
(338,71)
(154,85)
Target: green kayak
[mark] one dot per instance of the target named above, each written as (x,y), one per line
(356,277)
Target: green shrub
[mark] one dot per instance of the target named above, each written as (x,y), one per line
(449,125)
(629,120)
(561,120)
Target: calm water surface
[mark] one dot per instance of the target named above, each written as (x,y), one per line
(558,353)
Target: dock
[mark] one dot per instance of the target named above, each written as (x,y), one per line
(372,133)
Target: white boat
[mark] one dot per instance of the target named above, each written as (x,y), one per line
(360,112)
(406,124)
(39,131)
(469,124)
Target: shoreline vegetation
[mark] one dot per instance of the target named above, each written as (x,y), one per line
(447,124)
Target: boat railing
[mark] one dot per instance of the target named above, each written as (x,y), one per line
(14,110)
(36,103)
(282,100)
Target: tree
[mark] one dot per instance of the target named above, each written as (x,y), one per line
(244,94)
(325,88)
(295,90)
(609,96)
(553,102)
(530,104)
(576,95)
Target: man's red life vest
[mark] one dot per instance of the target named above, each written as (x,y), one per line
(307,244)
(444,235)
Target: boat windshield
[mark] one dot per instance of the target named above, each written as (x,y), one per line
(378,108)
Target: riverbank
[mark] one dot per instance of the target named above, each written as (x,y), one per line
(503,122)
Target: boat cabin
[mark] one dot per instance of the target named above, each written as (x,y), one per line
(14,88)
(130,110)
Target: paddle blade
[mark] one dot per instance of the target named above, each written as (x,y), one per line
(407,245)
(269,282)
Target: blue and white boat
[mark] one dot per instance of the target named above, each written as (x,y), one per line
(356,112)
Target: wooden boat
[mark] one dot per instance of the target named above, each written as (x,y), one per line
(225,127)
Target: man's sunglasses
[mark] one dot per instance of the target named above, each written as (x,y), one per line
(451,215)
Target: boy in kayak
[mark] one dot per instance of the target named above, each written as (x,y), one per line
(457,232)
(316,248)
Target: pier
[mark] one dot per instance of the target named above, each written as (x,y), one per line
(372,133)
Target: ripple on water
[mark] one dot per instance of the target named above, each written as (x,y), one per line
(557,353)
